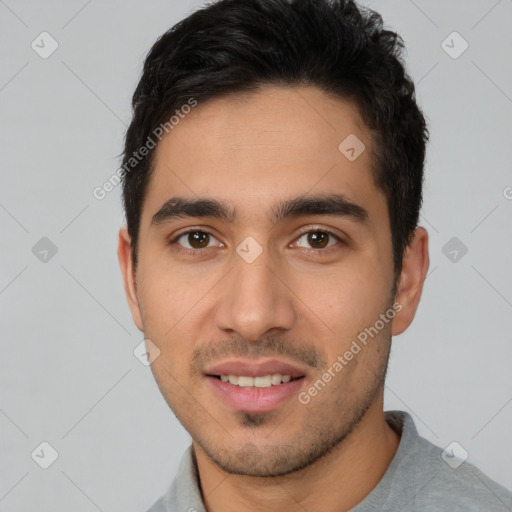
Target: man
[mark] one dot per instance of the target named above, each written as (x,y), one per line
(272,182)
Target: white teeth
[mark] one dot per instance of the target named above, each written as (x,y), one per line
(276,379)
(264,381)
(245,382)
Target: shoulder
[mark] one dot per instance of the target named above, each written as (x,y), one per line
(460,485)
(158,506)
(437,479)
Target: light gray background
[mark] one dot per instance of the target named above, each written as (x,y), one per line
(68,373)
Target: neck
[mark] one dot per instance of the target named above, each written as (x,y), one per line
(337,482)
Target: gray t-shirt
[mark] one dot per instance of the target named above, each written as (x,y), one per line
(418,479)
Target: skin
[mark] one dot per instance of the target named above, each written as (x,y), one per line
(296,299)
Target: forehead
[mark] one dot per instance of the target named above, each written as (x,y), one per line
(276,142)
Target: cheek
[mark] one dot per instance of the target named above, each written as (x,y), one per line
(347,298)
(173,305)
(168,295)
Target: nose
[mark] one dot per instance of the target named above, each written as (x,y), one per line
(254,299)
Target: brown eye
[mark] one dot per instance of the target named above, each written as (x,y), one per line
(194,240)
(198,239)
(319,239)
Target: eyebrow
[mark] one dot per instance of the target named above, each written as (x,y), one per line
(327,204)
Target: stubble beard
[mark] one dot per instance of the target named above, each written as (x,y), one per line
(320,435)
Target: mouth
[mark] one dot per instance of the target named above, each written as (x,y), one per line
(255,387)
(262,381)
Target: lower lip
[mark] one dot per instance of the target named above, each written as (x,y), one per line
(255,400)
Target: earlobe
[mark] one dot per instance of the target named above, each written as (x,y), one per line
(125,261)
(410,286)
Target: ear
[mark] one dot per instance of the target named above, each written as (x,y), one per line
(124,253)
(410,285)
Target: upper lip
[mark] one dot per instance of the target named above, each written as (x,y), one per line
(251,368)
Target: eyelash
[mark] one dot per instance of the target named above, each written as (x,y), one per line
(309,230)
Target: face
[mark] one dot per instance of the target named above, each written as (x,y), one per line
(272,279)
